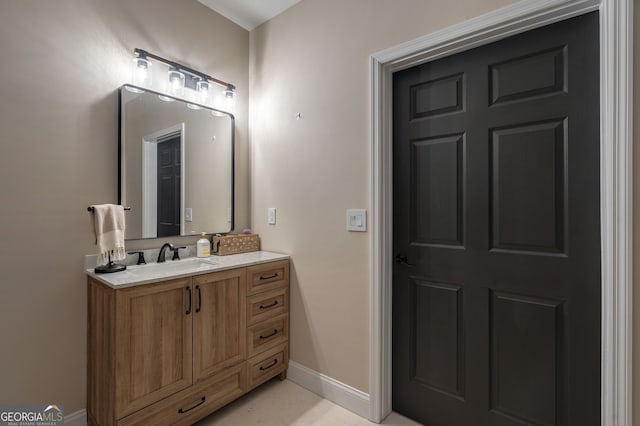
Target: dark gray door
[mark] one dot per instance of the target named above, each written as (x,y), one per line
(496,289)
(169,187)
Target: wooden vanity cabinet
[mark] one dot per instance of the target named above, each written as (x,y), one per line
(172,352)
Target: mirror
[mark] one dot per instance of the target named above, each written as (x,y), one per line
(176,166)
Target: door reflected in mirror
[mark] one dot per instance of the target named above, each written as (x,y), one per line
(176,166)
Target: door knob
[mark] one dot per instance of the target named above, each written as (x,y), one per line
(402,260)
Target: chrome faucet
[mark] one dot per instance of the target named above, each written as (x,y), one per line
(162,251)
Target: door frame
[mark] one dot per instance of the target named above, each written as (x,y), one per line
(616,180)
(150,178)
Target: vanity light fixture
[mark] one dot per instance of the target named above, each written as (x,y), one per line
(179,77)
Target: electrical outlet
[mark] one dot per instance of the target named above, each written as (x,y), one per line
(188,214)
(271,216)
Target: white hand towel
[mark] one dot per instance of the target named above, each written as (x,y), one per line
(109,229)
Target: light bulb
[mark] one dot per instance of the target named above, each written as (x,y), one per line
(142,72)
(202,86)
(229,97)
(176,82)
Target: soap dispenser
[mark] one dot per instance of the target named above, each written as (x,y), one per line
(203,246)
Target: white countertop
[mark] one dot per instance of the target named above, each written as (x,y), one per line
(152,272)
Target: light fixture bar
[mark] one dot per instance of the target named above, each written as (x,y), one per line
(144,54)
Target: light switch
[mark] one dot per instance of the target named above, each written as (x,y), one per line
(271,216)
(188,214)
(356,220)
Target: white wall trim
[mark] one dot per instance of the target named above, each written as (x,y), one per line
(616,89)
(79,418)
(337,392)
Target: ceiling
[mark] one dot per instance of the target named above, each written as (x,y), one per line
(249,13)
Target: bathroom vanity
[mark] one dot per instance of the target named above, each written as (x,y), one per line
(170,343)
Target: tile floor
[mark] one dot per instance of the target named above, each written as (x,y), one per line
(284,403)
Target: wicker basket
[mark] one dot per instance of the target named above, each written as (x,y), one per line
(232,244)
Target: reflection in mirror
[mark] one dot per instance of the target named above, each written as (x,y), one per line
(176,166)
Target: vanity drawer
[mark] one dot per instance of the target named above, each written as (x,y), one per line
(267,276)
(267,334)
(267,365)
(190,405)
(263,306)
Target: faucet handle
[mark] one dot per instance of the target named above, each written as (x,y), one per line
(176,256)
(140,254)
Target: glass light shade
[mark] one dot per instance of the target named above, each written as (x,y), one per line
(202,87)
(142,75)
(229,97)
(175,85)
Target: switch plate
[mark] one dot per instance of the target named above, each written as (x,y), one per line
(188,214)
(271,216)
(356,220)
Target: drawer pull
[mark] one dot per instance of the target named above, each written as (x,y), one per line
(269,306)
(275,331)
(268,277)
(181,411)
(266,367)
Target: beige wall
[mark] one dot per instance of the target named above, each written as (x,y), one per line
(61,64)
(314,59)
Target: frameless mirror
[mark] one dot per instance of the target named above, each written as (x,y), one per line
(176,166)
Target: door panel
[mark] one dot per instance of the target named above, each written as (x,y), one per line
(529,159)
(496,296)
(219,321)
(154,341)
(524,350)
(437,187)
(436,314)
(169,187)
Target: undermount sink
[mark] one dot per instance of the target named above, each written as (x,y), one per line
(193,264)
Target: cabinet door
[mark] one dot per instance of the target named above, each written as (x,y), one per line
(219,321)
(154,343)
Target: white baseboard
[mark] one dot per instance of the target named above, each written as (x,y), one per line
(337,392)
(79,418)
